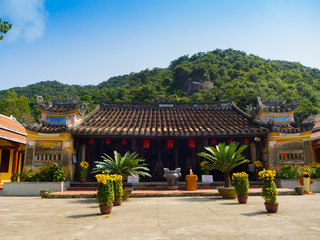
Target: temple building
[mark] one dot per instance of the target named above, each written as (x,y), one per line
(315,140)
(13,138)
(164,134)
(288,142)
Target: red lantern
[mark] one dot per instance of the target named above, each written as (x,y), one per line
(230,141)
(246,140)
(284,156)
(124,141)
(91,141)
(108,141)
(191,143)
(146,144)
(170,143)
(213,142)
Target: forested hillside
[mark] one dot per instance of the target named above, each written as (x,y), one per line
(234,74)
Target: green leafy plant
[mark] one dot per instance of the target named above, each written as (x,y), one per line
(14,177)
(241,183)
(269,189)
(224,158)
(105,189)
(51,172)
(289,172)
(29,176)
(126,165)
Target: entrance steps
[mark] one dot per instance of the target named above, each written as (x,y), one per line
(92,186)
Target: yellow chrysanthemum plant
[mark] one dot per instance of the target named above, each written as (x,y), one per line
(206,167)
(269,189)
(258,167)
(117,185)
(83,169)
(241,183)
(105,190)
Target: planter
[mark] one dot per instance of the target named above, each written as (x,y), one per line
(117,202)
(126,193)
(105,209)
(227,192)
(292,183)
(32,188)
(83,179)
(242,199)
(299,190)
(44,192)
(271,207)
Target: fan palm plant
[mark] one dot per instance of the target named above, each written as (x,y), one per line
(126,165)
(224,158)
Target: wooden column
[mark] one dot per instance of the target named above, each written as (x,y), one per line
(17,148)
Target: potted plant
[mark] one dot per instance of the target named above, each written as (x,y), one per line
(224,158)
(269,190)
(83,171)
(299,190)
(126,165)
(241,185)
(105,192)
(118,189)
(206,168)
(257,168)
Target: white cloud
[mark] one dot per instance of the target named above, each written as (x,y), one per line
(27,18)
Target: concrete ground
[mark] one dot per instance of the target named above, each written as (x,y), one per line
(160,218)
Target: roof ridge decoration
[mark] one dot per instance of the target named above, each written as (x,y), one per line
(156,105)
(62,105)
(278,105)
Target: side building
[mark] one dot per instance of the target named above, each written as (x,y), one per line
(13,138)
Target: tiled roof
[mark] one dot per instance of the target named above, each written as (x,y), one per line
(156,119)
(48,128)
(316,130)
(12,130)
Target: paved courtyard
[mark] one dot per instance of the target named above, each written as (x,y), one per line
(160,218)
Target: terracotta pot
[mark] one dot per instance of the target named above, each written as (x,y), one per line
(83,179)
(242,199)
(126,193)
(105,209)
(271,207)
(227,192)
(117,202)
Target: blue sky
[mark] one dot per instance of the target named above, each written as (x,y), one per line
(88,41)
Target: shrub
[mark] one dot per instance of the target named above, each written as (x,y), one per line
(241,183)
(29,176)
(51,172)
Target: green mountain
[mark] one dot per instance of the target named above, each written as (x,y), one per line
(226,74)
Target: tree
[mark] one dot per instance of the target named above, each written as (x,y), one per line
(14,105)
(224,158)
(4,28)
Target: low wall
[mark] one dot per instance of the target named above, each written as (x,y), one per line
(32,188)
(291,183)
